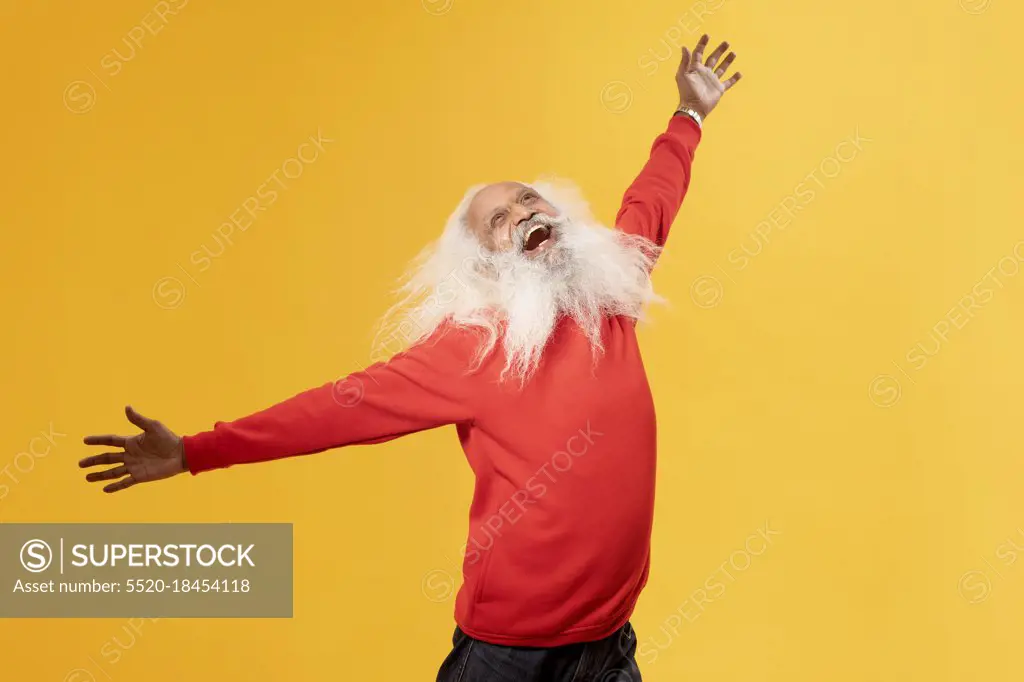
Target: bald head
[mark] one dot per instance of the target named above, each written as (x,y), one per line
(497,211)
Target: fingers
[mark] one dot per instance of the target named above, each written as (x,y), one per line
(108,439)
(732,81)
(125,482)
(716,55)
(684,63)
(144,423)
(109,474)
(105,458)
(724,66)
(698,52)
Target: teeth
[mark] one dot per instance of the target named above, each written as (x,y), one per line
(539,227)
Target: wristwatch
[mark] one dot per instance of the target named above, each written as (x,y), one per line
(686,111)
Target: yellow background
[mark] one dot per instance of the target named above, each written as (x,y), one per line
(784,388)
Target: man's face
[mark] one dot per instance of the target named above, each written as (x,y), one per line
(508,216)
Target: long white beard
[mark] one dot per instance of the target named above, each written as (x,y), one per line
(588,273)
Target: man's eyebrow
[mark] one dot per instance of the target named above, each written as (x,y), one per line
(494,212)
(519,196)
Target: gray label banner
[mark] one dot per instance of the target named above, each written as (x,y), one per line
(145,570)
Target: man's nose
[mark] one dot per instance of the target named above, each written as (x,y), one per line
(521,214)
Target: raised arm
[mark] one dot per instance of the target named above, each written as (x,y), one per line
(652,201)
(420,389)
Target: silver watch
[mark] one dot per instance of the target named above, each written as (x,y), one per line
(686,111)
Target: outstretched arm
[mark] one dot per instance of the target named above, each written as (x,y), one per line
(652,201)
(419,389)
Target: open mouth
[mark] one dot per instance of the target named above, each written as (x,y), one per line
(537,237)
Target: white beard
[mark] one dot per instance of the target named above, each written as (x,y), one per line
(587,273)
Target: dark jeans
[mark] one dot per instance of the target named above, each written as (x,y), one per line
(611,659)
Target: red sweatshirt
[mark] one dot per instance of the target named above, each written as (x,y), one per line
(560,523)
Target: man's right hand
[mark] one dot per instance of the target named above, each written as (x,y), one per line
(154,454)
(700,84)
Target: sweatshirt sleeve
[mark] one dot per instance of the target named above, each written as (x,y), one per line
(422,388)
(653,200)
